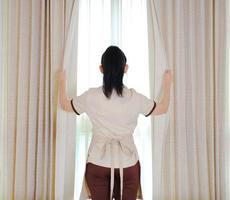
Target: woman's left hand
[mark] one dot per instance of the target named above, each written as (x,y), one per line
(61,75)
(168,77)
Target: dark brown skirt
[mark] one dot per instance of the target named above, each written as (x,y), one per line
(98,181)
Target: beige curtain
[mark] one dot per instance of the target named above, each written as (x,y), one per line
(190,152)
(34,38)
(2,97)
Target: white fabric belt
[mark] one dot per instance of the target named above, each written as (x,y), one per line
(125,145)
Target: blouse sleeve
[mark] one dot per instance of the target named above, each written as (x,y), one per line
(146,105)
(79,103)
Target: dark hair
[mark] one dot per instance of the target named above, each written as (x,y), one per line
(113,61)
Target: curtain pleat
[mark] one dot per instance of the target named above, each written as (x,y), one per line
(221,106)
(3,90)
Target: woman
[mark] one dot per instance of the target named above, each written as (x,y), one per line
(112,166)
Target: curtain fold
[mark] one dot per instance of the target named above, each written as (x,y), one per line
(222,98)
(3,146)
(191,161)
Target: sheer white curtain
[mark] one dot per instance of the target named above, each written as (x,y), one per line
(101,24)
(94,35)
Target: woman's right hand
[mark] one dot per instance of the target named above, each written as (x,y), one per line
(163,104)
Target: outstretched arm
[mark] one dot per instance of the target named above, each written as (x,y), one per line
(162,106)
(63,99)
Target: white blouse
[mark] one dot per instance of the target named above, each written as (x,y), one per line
(114,121)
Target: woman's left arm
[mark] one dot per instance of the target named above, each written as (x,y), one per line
(63,99)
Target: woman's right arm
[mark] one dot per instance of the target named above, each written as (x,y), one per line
(163,104)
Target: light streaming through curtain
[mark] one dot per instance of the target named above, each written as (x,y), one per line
(101,24)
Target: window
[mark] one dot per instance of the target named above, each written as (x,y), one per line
(101,24)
